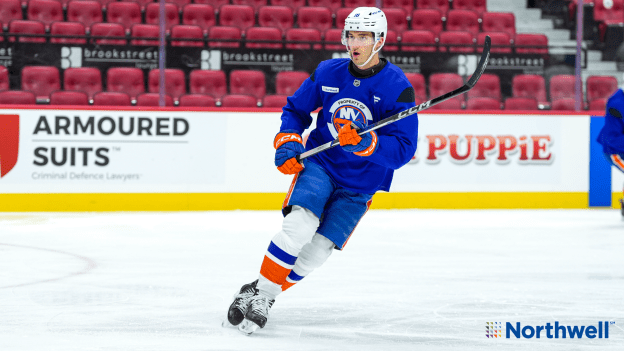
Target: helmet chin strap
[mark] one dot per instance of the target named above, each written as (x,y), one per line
(369,58)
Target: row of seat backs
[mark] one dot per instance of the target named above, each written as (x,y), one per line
(45,79)
(128,13)
(523,85)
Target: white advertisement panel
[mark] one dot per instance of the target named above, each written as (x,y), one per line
(64,151)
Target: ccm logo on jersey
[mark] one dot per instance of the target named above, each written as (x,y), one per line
(284,138)
(330,89)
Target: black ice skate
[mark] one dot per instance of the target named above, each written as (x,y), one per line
(238,308)
(258,311)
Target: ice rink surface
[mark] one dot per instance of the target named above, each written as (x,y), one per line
(407,280)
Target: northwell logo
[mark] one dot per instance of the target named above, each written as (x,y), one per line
(556,331)
(9,142)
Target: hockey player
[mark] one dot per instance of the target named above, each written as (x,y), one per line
(332,190)
(612,134)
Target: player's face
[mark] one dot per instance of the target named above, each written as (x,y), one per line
(360,46)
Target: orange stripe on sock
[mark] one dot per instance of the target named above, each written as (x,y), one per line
(287,285)
(273,271)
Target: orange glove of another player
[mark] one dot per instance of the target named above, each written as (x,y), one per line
(350,141)
(288,144)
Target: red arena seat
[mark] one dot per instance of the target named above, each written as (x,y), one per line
(4,78)
(10,10)
(215,3)
(397,18)
(227,33)
(487,86)
(314,17)
(562,86)
(199,15)
(17,97)
(197,100)
(85,12)
(126,80)
(179,3)
(498,39)
(332,5)
(264,33)
(239,101)
(538,41)
(457,38)
(406,5)
(427,19)
(286,83)
(172,16)
(187,32)
(67,29)
(27,27)
(45,11)
(504,22)
(293,4)
(274,101)
(360,3)
(483,103)
(142,3)
(107,98)
(598,105)
(529,85)
(417,81)
(41,80)
(614,15)
(66,97)
(87,79)
(255,4)
(418,37)
(303,34)
(108,30)
(520,103)
(452,104)
(146,31)
(463,20)
(442,5)
(280,17)
(341,15)
(601,87)
(248,82)
(442,83)
(564,104)
(152,99)
(124,13)
(211,82)
(478,6)
(175,82)
(333,40)
(241,16)
(391,41)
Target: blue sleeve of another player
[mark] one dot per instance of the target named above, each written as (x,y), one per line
(296,113)
(398,140)
(612,134)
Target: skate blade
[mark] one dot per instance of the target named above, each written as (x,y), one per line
(247,327)
(227,324)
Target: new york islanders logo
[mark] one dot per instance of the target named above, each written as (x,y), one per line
(9,142)
(349,109)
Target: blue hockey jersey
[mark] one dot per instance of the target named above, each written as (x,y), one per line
(612,134)
(343,95)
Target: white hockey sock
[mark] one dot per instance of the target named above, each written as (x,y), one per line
(312,256)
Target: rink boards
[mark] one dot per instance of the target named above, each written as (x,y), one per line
(172,159)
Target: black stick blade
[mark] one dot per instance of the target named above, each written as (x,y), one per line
(485,56)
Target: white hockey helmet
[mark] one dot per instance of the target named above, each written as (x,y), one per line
(366,19)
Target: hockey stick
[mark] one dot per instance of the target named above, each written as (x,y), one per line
(425,105)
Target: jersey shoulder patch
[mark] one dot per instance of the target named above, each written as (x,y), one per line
(407,95)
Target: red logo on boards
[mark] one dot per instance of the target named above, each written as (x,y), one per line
(9,142)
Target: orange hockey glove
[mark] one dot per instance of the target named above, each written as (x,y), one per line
(350,141)
(288,144)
